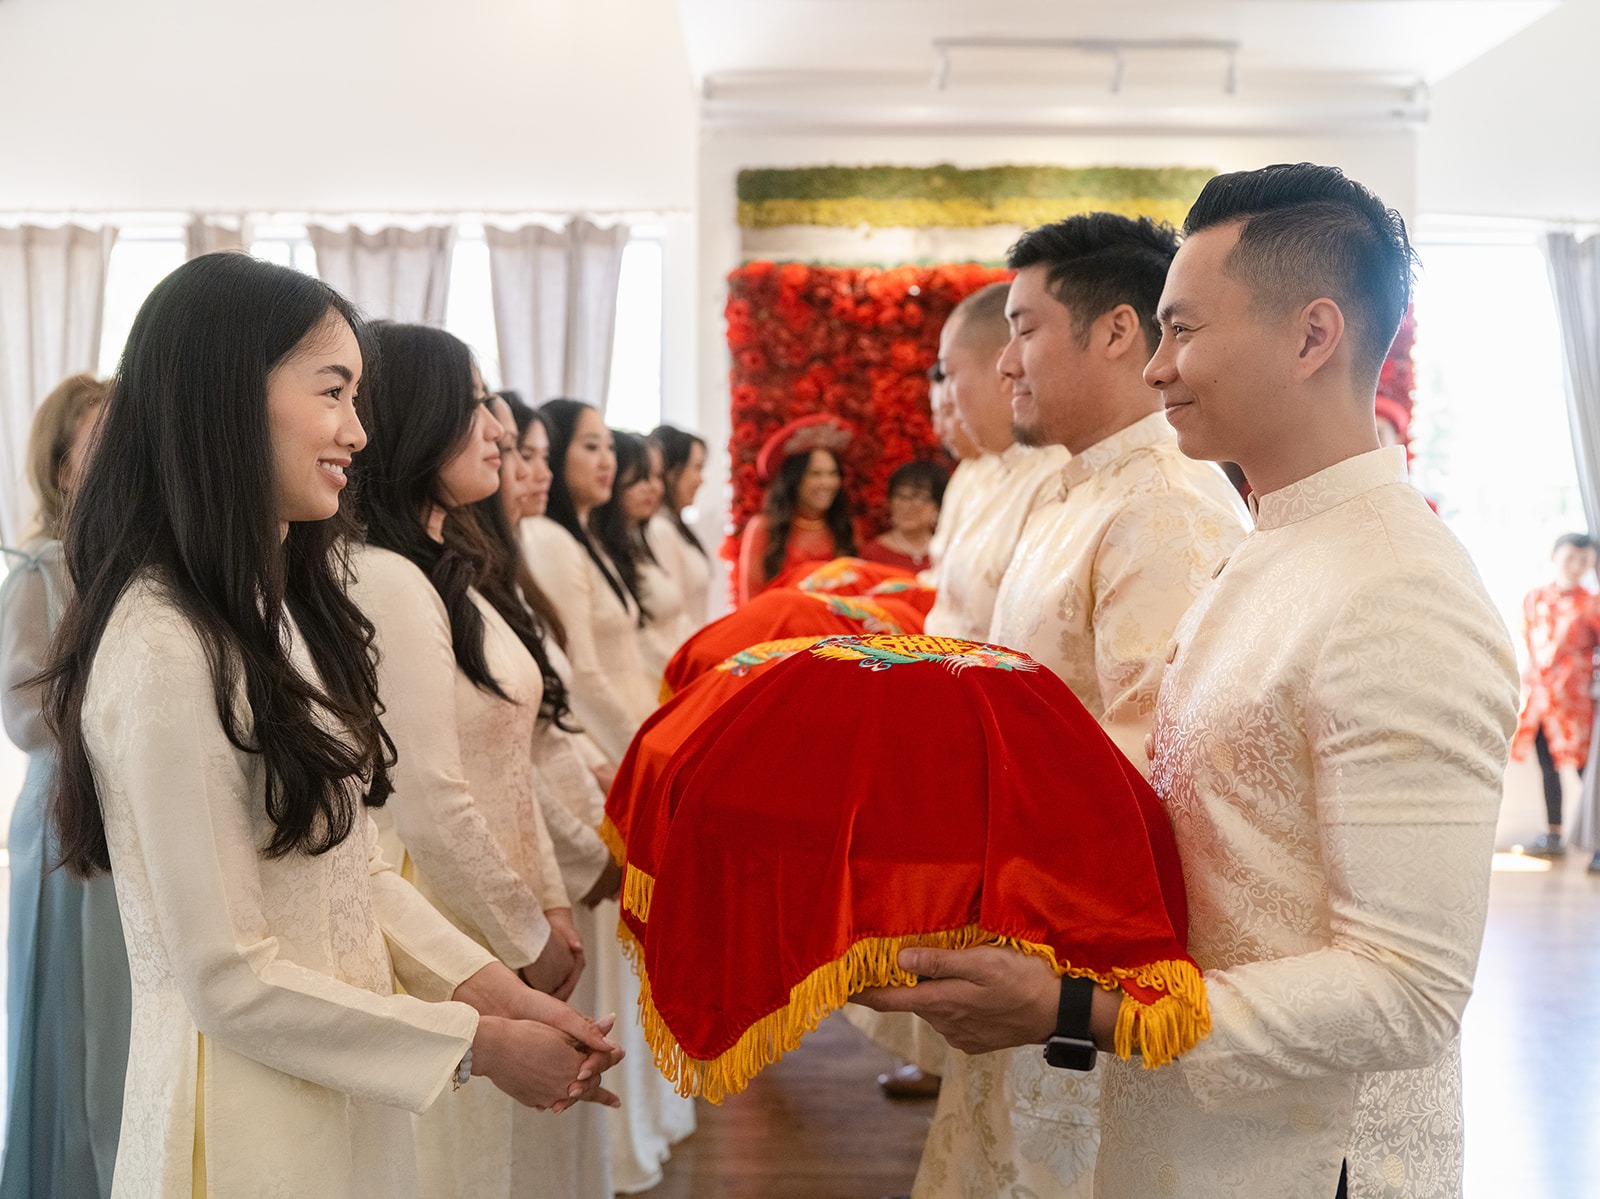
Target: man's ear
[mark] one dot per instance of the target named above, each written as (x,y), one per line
(1120,332)
(1319,335)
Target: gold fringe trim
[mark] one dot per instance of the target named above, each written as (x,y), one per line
(638,888)
(1172,1026)
(612,836)
(632,951)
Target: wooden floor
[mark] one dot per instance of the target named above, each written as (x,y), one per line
(816,1127)
(1531,1038)
(813,1126)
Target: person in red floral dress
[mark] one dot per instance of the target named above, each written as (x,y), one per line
(1561,630)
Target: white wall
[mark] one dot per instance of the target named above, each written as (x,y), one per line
(1514,133)
(353,105)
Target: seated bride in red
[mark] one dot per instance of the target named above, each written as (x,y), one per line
(806,517)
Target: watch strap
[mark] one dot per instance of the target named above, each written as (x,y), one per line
(1070,1046)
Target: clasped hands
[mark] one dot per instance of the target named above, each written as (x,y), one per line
(560,965)
(984,999)
(534,1047)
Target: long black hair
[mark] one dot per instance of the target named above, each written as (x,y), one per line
(183,492)
(676,447)
(561,421)
(485,533)
(544,612)
(422,413)
(609,523)
(782,498)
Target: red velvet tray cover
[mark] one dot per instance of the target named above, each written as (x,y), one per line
(876,791)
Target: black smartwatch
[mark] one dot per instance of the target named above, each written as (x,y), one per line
(1070,1046)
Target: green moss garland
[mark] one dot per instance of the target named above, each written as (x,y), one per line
(924,197)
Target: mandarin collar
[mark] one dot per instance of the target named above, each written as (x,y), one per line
(1146,431)
(1330,487)
(1013,456)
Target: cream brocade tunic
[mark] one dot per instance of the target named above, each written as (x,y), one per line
(471,828)
(1101,576)
(666,624)
(611,695)
(964,480)
(610,692)
(979,547)
(1330,743)
(1098,583)
(686,566)
(277,973)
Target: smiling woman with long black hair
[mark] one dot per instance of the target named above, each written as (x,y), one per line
(215,699)
(611,692)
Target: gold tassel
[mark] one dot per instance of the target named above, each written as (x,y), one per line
(1173,1024)
(638,888)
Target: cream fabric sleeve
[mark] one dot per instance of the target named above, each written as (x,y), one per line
(166,768)
(1157,555)
(1409,708)
(552,885)
(567,785)
(433,808)
(573,584)
(31,600)
(431,956)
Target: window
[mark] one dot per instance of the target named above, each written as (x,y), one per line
(1493,447)
(633,396)
(143,256)
(140,259)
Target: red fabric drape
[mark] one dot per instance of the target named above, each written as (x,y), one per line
(879,790)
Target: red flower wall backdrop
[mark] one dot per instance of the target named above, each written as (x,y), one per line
(1398,378)
(853,341)
(857,342)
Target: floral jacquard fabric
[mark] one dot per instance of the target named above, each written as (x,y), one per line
(1094,591)
(1329,740)
(286,963)
(979,545)
(1101,577)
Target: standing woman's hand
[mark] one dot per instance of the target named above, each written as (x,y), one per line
(528,1063)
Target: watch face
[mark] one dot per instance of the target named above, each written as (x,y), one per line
(1068,1053)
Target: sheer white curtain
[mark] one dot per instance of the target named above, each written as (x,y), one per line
(393,274)
(206,234)
(52,294)
(555,307)
(1575,279)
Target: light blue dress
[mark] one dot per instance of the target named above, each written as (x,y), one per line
(68,999)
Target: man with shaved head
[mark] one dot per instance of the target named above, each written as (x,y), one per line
(981,535)
(971,466)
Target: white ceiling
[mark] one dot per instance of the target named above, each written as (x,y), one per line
(866,62)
